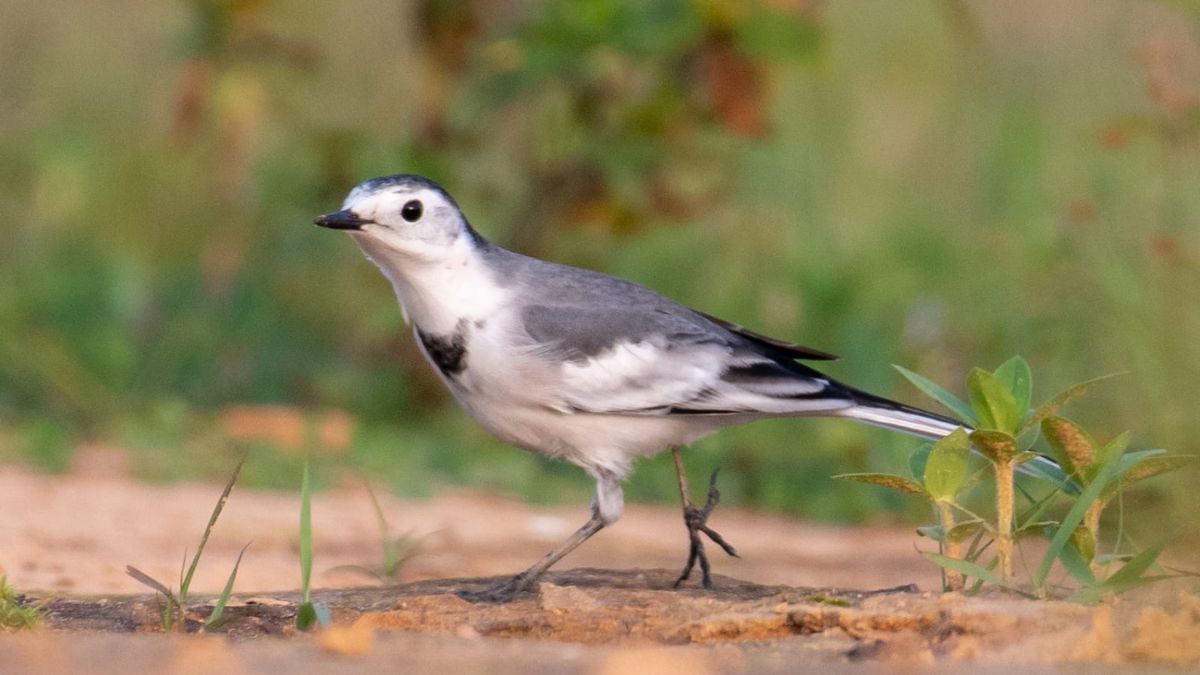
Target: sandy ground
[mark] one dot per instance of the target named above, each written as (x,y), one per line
(782,607)
(76,533)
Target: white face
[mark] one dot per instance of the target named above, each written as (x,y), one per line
(409,219)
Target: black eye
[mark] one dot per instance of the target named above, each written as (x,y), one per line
(412,211)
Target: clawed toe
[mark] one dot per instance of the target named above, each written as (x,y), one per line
(506,591)
(697,523)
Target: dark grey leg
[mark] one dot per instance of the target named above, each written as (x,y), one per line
(606,509)
(696,521)
(506,591)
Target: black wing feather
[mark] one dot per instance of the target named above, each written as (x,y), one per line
(777,347)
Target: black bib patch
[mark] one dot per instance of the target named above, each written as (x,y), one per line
(448,352)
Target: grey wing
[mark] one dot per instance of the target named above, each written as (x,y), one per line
(669,360)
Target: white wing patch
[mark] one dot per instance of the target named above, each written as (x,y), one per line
(641,376)
(650,378)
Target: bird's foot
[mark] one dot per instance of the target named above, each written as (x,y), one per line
(505,591)
(697,522)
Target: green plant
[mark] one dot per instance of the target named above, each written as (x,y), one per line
(397,549)
(1002,427)
(14,613)
(309,614)
(176,603)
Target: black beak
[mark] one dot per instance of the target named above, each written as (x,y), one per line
(342,220)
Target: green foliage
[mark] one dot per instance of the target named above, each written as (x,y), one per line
(15,613)
(176,603)
(309,614)
(994,403)
(1001,402)
(882,183)
(397,549)
(946,468)
(938,393)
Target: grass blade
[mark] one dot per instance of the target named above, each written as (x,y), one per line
(186,582)
(1109,464)
(306,553)
(306,616)
(1077,566)
(941,395)
(1132,570)
(971,569)
(147,580)
(1124,579)
(214,619)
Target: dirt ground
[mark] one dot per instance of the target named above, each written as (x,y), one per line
(65,540)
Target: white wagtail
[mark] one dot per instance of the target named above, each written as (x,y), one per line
(580,365)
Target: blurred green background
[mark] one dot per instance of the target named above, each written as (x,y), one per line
(937,184)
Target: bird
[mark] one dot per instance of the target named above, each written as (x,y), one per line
(586,367)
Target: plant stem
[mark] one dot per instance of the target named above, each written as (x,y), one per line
(1004,516)
(953,549)
(1091,520)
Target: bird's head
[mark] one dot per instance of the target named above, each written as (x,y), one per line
(403,214)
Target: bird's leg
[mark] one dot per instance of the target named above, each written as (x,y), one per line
(506,591)
(606,509)
(697,522)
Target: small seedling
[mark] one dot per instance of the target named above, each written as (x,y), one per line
(309,614)
(397,549)
(173,612)
(14,613)
(1004,428)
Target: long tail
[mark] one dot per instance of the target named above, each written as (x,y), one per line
(881,412)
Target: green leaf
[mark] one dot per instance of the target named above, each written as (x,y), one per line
(1052,406)
(306,617)
(966,529)
(886,480)
(947,465)
(148,580)
(1047,470)
(936,392)
(1073,447)
(1108,464)
(214,619)
(1016,375)
(1084,542)
(918,459)
(1115,448)
(995,445)
(1146,468)
(1132,570)
(993,403)
(972,570)
(934,532)
(306,552)
(1077,566)
(1039,527)
(186,582)
(1124,579)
